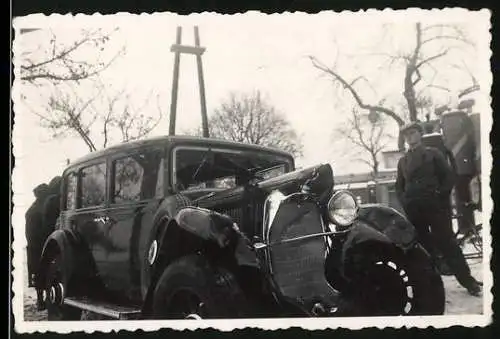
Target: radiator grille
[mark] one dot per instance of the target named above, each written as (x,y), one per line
(298,266)
(252,224)
(235,213)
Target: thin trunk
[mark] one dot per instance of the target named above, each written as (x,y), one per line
(411,69)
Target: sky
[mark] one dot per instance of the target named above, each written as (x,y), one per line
(245,52)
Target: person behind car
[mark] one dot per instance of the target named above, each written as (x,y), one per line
(51,207)
(432,138)
(33,230)
(423,185)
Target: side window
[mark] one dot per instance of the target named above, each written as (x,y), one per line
(93,185)
(70,200)
(128,180)
(137,177)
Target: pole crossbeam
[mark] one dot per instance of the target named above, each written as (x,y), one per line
(187,49)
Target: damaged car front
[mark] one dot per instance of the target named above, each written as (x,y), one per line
(327,256)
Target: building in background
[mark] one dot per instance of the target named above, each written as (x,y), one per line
(379,189)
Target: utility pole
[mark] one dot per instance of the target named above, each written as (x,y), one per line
(175,81)
(198,51)
(201,81)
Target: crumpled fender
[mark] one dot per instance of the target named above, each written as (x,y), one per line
(203,224)
(218,228)
(390,222)
(207,225)
(362,234)
(165,211)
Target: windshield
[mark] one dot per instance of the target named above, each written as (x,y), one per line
(196,168)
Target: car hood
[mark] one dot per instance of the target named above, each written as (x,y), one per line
(319,178)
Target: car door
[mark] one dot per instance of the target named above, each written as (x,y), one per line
(134,194)
(88,219)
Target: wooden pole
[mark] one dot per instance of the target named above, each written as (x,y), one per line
(175,84)
(204,117)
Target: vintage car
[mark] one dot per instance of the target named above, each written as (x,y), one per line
(187,228)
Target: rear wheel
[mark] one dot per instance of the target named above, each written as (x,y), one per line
(55,291)
(192,288)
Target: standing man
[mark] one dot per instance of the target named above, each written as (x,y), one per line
(423,185)
(33,230)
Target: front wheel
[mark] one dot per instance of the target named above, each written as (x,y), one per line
(430,296)
(193,288)
(389,283)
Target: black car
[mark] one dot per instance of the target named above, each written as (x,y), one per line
(183,227)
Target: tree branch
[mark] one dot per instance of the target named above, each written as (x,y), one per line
(354,93)
(66,67)
(58,56)
(429,59)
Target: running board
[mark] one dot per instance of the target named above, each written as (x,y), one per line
(106,309)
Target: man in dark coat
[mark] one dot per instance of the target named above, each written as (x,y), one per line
(423,185)
(33,231)
(51,207)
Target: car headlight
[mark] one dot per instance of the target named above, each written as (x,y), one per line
(342,208)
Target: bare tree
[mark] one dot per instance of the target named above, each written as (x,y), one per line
(99,117)
(418,64)
(57,61)
(249,118)
(369,138)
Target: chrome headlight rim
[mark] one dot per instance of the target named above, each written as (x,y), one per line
(330,210)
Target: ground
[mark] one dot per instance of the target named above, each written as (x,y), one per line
(458,301)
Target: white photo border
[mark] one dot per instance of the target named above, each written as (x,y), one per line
(482,17)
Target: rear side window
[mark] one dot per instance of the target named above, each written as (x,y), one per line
(93,185)
(128,178)
(137,177)
(70,200)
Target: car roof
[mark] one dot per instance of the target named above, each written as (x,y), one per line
(174,140)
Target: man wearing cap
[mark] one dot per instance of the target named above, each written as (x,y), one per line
(423,185)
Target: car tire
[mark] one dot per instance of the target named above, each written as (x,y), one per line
(55,282)
(193,288)
(430,296)
(392,284)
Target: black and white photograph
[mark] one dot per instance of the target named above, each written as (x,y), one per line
(252,170)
